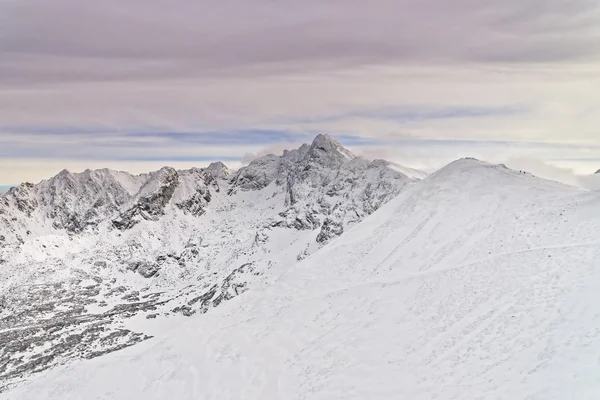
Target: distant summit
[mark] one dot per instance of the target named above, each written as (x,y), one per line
(597,172)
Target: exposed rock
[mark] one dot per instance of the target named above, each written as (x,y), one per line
(329,230)
(24,198)
(196,205)
(323,182)
(148,270)
(258,175)
(33,340)
(218,170)
(150,202)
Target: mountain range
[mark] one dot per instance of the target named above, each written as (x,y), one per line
(82,254)
(311,275)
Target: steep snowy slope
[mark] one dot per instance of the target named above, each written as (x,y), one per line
(82,262)
(477,282)
(410,172)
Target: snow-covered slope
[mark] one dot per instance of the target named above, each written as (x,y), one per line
(85,256)
(410,172)
(476,282)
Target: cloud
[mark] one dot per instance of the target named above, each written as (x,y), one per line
(591,182)
(559,174)
(276,149)
(137,39)
(544,170)
(148,145)
(415,114)
(421,81)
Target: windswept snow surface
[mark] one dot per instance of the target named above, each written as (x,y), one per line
(478,282)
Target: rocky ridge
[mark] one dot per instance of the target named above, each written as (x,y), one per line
(85,254)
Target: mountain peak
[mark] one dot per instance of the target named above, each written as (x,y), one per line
(218,170)
(469,173)
(598,172)
(324,139)
(327,143)
(325,147)
(64,172)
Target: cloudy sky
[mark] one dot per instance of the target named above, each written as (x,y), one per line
(137,84)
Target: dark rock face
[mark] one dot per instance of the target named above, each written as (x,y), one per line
(598,172)
(23,195)
(326,186)
(233,285)
(151,201)
(148,270)
(196,205)
(144,268)
(329,230)
(258,175)
(300,221)
(218,170)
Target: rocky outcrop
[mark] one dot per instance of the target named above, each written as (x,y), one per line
(150,202)
(218,170)
(258,175)
(24,198)
(324,183)
(144,268)
(233,285)
(196,187)
(329,230)
(196,204)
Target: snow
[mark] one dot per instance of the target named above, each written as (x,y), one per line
(476,282)
(410,172)
(131,183)
(85,257)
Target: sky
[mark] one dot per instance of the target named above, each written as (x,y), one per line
(137,84)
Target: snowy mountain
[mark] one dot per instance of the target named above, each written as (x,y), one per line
(598,172)
(475,282)
(69,202)
(91,262)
